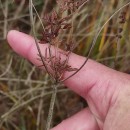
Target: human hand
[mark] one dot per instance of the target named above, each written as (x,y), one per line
(106,91)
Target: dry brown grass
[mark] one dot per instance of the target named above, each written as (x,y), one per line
(24,90)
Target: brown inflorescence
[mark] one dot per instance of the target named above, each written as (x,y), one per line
(55,24)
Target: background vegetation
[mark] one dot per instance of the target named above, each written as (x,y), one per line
(25,91)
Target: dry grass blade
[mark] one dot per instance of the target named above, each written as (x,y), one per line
(7,70)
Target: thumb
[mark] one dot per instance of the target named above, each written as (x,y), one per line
(83,120)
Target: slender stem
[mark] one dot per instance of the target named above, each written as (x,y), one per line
(94,42)
(51,109)
(38,48)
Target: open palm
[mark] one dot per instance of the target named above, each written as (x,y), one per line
(106,91)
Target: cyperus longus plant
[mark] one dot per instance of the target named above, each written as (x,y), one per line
(55,58)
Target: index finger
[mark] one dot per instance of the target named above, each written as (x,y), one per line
(90,75)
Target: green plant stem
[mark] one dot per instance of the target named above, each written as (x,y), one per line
(51,109)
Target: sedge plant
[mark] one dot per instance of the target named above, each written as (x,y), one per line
(58,48)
